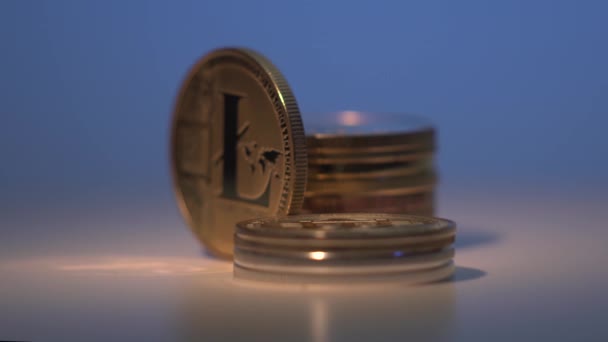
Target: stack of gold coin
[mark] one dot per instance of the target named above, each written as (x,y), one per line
(329,247)
(239,152)
(364,162)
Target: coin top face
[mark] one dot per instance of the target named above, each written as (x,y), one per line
(354,123)
(347,225)
(238,145)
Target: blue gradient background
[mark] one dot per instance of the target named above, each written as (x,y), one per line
(517,88)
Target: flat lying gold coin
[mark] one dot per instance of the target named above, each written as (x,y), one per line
(369,171)
(333,246)
(380,186)
(417,203)
(365,226)
(358,132)
(238,147)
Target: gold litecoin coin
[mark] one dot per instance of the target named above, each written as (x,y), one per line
(238,148)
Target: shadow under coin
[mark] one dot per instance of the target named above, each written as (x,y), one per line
(462,274)
(470,238)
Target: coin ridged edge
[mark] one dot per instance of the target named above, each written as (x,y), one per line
(296,132)
(268,226)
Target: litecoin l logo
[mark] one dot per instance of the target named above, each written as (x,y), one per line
(260,159)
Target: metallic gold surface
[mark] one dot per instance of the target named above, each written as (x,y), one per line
(338,256)
(359,155)
(346,226)
(366,171)
(400,243)
(328,151)
(372,158)
(370,162)
(422,276)
(372,142)
(416,203)
(238,146)
(343,245)
(373,265)
(358,187)
(353,122)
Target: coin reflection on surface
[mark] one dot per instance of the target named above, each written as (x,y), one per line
(279,311)
(138,266)
(119,266)
(319,320)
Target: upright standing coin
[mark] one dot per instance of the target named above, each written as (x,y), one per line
(238,148)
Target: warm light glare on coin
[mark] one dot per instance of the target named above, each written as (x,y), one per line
(350,118)
(138,266)
(317,255)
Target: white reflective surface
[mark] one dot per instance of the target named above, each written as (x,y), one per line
(528,267)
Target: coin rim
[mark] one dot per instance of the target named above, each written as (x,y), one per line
(271,263)
(402,169)
(336,141)
(327,281)
(423,202)
(375,159)
(421,229)
(387,185)
(396,148)
(336,252)
(356,242)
